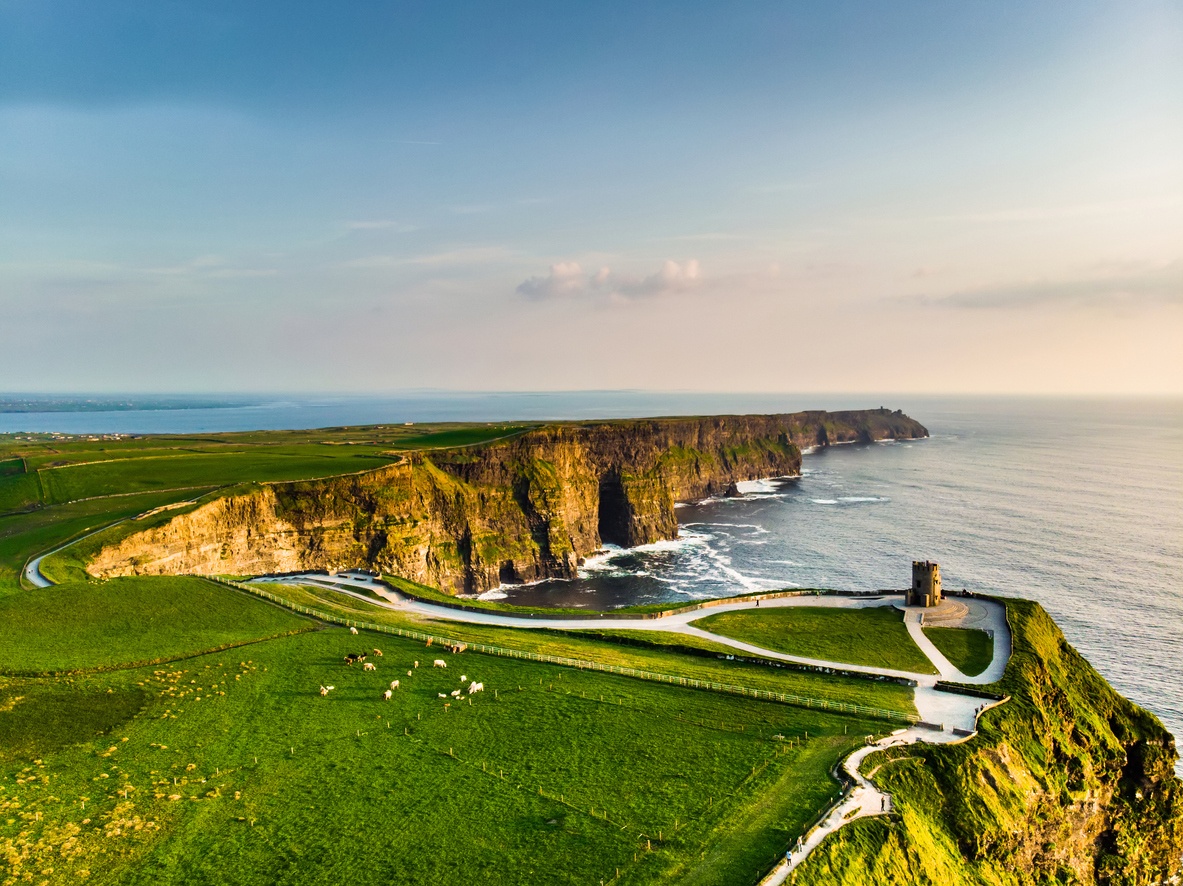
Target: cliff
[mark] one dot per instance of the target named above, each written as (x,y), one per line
(522,509)
(1066,783)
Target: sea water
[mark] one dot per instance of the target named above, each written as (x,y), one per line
(1075,503)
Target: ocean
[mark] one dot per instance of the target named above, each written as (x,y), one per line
(1075,503)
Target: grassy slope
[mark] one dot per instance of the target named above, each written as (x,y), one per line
(585,646)
(23,536)
(875,637)
(970,650)
(277,785)
(1016,804)
(104,624)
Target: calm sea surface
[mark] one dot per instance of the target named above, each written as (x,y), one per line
(1076,504)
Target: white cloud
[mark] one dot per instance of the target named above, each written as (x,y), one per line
(568,279)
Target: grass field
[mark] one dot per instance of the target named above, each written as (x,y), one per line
(587,646)
(40,470)
(874,636)
(229,767)
(85,625)
(169,730)
(969,650)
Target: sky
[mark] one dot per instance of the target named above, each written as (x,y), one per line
(976,197)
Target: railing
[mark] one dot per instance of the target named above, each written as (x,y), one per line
(789,698)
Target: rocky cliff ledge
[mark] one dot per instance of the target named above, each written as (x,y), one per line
(517,510)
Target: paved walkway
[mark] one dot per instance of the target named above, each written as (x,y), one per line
(940,712)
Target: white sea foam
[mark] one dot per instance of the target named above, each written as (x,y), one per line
(494,594)
(753,487)
(824,501)
(855,498)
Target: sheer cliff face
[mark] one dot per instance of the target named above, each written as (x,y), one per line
(468,519)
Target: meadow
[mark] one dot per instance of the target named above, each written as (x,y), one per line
(229,767)
(968,649)
(875,636)
(41,470)
(172,730)
(652,653)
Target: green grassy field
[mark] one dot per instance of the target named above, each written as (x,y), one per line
(87,625)
(874,636)
(40,470)
(229,767)
(591,646)
(169,730)
(969,650)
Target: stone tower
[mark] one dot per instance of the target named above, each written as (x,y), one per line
(926,584)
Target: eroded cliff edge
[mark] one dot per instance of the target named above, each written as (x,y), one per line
(522,509)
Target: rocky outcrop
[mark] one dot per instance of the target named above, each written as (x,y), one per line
(518,510)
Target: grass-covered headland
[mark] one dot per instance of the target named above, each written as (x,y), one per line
(1067,782)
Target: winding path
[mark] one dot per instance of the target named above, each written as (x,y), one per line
(945,716)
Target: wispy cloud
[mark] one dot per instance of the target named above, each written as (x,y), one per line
(467,255)
(381,224)
(1161,284)
(567,279)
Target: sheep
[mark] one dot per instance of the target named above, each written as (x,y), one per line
(408,673)
(353,630)
(476,687)
(416,664)
(378,652)
(369,666)
(463,678)
(439,663)
(386,695)
(455,693)
(325,690)
(394,684)
(441,695)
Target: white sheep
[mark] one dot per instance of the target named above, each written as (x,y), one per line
(324,690)
(476,687)
(353,630)
(408,673)
(378,652)
(455,693)
(441,695)
(463,678)
(369,666)
(394,684)
(439,663)
(416,664)
(386,695)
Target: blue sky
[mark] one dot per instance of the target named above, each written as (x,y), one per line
(757,196)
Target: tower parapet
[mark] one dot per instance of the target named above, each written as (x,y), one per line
(926,584)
